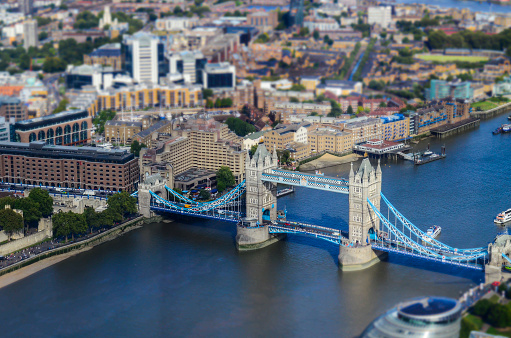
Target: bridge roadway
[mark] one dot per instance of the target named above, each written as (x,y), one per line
(289,227)
(313,181)
(391,246)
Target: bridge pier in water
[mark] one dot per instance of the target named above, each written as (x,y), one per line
(261,202)
(356,252)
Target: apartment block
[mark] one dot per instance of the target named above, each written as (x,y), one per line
(328,139)
(122,132)
(71,167)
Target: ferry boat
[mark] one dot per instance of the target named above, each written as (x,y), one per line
(427,153)
(509,117)
(432,232)
(506,128)
(503,217)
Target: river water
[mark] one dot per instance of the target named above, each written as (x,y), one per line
(186,278)
(474,6)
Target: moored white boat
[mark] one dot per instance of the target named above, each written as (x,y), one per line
(503,217)
(431,233)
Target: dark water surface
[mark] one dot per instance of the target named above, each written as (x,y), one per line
(474,6)
(186,278)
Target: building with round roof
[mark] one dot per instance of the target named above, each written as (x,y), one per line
(420,317)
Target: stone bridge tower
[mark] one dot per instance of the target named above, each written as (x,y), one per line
(356,253)
(154,183)
(261,201)
(261,197)
(493,269)
(365,184)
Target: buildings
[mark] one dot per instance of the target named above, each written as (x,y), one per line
(189,64)
(364,129)
(440,113)
(396,127)
(329,139)
(71,127)
(442,89)
(12,108)
(141,96)
(263,21)
(380,15)
(30,37)
(421,317)
(121,131)
(502,88)
(283,135)
(72,167)
(100,77)
(339,87)
(149,136)
(378,147)
(219,76)
(320,24)
(198,143)
(5,129)
(26,6)
(144,57)
(106,55)
(175,23)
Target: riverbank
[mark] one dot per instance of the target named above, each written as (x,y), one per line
(328,160)
(25,268)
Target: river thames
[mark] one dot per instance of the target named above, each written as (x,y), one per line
(187,279)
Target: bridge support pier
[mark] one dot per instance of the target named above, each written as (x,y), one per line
(359,258)
(249,236)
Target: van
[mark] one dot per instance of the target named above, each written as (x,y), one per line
(89,192)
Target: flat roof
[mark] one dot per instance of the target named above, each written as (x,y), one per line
(41,149)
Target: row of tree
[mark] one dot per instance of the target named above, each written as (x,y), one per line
(38,204)
(473,40)
(219,103)
(67,224)
(240,127)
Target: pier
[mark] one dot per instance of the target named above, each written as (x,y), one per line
(455,128)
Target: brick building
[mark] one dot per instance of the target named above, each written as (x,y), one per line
(71,127)
(70,167)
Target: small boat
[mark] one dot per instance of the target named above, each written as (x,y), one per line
(497,131)
(509,117)
(432,232)
(427,153)
(503,217)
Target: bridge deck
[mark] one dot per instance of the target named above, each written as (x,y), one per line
(295,178)
(226,216)
(332,235)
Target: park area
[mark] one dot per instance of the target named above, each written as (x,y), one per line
(450,58)
(491,103)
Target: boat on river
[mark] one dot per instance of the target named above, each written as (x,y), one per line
(431,233)
(503,218)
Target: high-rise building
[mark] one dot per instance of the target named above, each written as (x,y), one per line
(440,89)
(189,64)
(219,76)
(30,37)
(380,15)
(5,129)
(145,57)
(26,7)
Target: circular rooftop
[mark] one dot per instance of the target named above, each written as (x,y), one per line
(429,308)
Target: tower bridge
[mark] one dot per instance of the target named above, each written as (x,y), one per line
(252,206)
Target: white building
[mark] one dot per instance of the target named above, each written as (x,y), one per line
(144,57)
(175,23)
(189,64)
(219,76)
(252,139)
(380,15)
(4,129)
(320,24)
(30,37)
(107,19)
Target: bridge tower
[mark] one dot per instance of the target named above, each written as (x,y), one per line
(261,201)
(356,253)
(154,183)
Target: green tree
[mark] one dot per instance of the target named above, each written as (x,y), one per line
(100,120)
(239,127)
(136,147)
(335,109)
(294,99)
(62,225)
(61,106)
(226,102)
(481,308)
(122,203)
(224,178)
(10,222)
(253,149)
(315,35)
(86,20)
(31,210)
(349,110)
(43,198)
(499,315)
(204,194)
(383,104)
(207,93)
(210,104)
(304,31)
(53,64)
(42,36)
